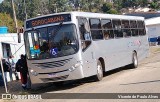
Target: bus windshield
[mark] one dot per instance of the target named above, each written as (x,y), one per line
(51,42)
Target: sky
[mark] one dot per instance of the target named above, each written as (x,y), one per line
(1,1)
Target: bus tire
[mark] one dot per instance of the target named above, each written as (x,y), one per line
(99,75)
(134,60)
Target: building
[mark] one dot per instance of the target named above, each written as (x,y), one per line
(146,15)
(153,29)
(9,46)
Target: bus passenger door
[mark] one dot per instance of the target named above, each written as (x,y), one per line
(86,48)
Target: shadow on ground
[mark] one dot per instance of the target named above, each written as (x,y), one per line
(50,87)
(15,86)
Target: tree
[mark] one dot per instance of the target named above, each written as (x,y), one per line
(26,8)
(118,4)
(5,7)
(42,7)
(7,16)
(7,20)
(113,11)
(31,8)
(84,5)
(154,5)
(108,8)
(58,6)
(144,3)
(130,3)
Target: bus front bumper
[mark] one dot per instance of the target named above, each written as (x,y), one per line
(70,74)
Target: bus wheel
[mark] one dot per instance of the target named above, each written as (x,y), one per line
(99,74)
(134,61)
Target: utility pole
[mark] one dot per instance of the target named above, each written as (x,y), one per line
(4,77)
(14,15)
(25,9)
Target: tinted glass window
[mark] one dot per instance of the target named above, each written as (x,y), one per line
(106,24)
(134,32)
(125,24)
(126,28)
(126,32)
(141,27)
(116,24)
(96,34)
(133,24)
(96,30)
(84,33)
(83,24)
(51,42)
(140,24)
(117,28)
(108,34)
(118,33)
(95,24)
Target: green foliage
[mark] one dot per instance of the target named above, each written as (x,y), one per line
(86,5)
(130,3)
(112,11)
(6,20)
(6,16)
(107,7)
(154,5)
(5,6)
(58,6)
(110,8)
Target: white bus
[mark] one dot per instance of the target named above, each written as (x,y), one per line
(75,45)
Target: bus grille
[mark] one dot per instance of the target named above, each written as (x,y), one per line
(52,64)
(54,79)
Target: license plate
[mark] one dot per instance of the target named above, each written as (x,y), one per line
(52,75)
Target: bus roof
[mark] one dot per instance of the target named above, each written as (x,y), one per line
(94,15)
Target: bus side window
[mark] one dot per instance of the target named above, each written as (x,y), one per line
(117,28)
(134,28)
(84,33)
(96,29)
(141,28)
(107,28)
(126,28)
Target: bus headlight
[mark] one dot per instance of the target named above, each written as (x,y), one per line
(78,64)
(33,72)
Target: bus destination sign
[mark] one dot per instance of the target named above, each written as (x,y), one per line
(48,20)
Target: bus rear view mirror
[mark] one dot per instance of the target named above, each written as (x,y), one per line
(19,38)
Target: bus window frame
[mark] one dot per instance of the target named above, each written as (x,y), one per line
(135,28)
(126,28)
(36,29)
(91,29)
(120,28)
(107,30)
(141,28)
(81,41)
